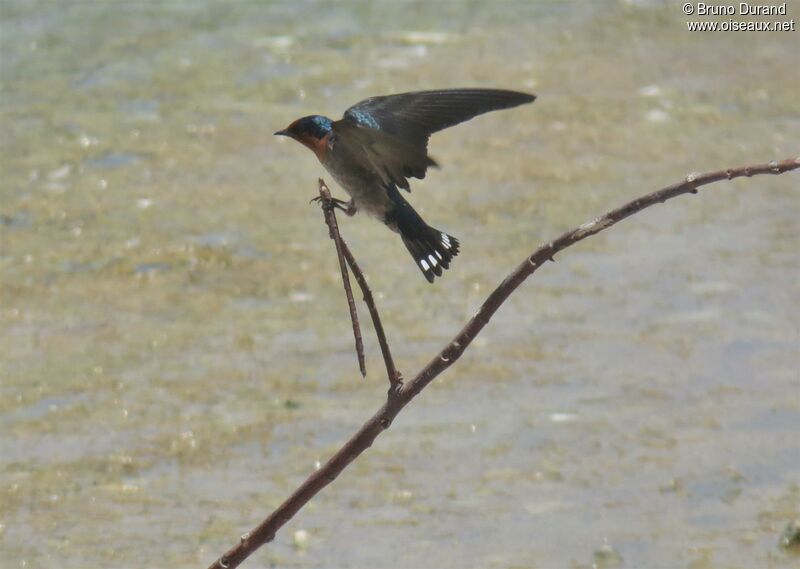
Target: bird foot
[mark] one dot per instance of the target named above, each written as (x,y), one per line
(349,208)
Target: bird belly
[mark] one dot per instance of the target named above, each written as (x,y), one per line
(364,188)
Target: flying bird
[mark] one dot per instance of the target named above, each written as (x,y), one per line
(381,142)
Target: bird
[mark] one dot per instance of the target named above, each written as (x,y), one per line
(382,142)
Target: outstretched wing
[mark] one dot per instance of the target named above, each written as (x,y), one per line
(415,116)
(402,124)
(393,159)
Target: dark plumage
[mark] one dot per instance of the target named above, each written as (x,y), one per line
(415,116)
(381,142)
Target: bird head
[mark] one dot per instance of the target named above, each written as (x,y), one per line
(310,131)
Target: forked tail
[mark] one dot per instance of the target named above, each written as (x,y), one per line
(432,249)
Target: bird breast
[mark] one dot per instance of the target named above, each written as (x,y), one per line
(364,186)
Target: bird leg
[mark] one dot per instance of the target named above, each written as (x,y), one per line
(349,208)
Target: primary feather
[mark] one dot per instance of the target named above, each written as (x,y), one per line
(415,116)
(394,129)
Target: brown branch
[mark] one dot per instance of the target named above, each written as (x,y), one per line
(363,439)
(342,250)
(395,378)
(333,232)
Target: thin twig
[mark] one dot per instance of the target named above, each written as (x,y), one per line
(395,378)
(333,232)
(363,439)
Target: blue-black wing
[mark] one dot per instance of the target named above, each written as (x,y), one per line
(389,157)
(413,117)
(397,127)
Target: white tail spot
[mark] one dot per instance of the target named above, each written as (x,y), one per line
(438,254)
(432,259)
(424,264)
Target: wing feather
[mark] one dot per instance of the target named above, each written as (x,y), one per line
(393,130)
(392,158)
(415,116)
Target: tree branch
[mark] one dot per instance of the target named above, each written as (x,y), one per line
(395,378)
(342,250)
(380,421)
(333,232)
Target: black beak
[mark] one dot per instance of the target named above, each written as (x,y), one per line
(281,133)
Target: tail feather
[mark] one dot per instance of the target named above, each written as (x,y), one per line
(432,250)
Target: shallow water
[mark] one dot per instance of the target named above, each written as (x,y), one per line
(176,353)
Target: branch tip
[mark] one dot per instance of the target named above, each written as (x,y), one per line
(333,230)
(391,371)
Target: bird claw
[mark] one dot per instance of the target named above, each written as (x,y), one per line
(327,204)
(333,203)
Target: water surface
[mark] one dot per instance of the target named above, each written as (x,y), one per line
(176,354)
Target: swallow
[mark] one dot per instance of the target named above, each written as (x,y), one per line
(381,142)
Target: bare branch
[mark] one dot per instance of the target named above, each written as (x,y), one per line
(395,378)
(380,421)
(342,250)
(333,232)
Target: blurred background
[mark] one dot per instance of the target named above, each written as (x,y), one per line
(176,350)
